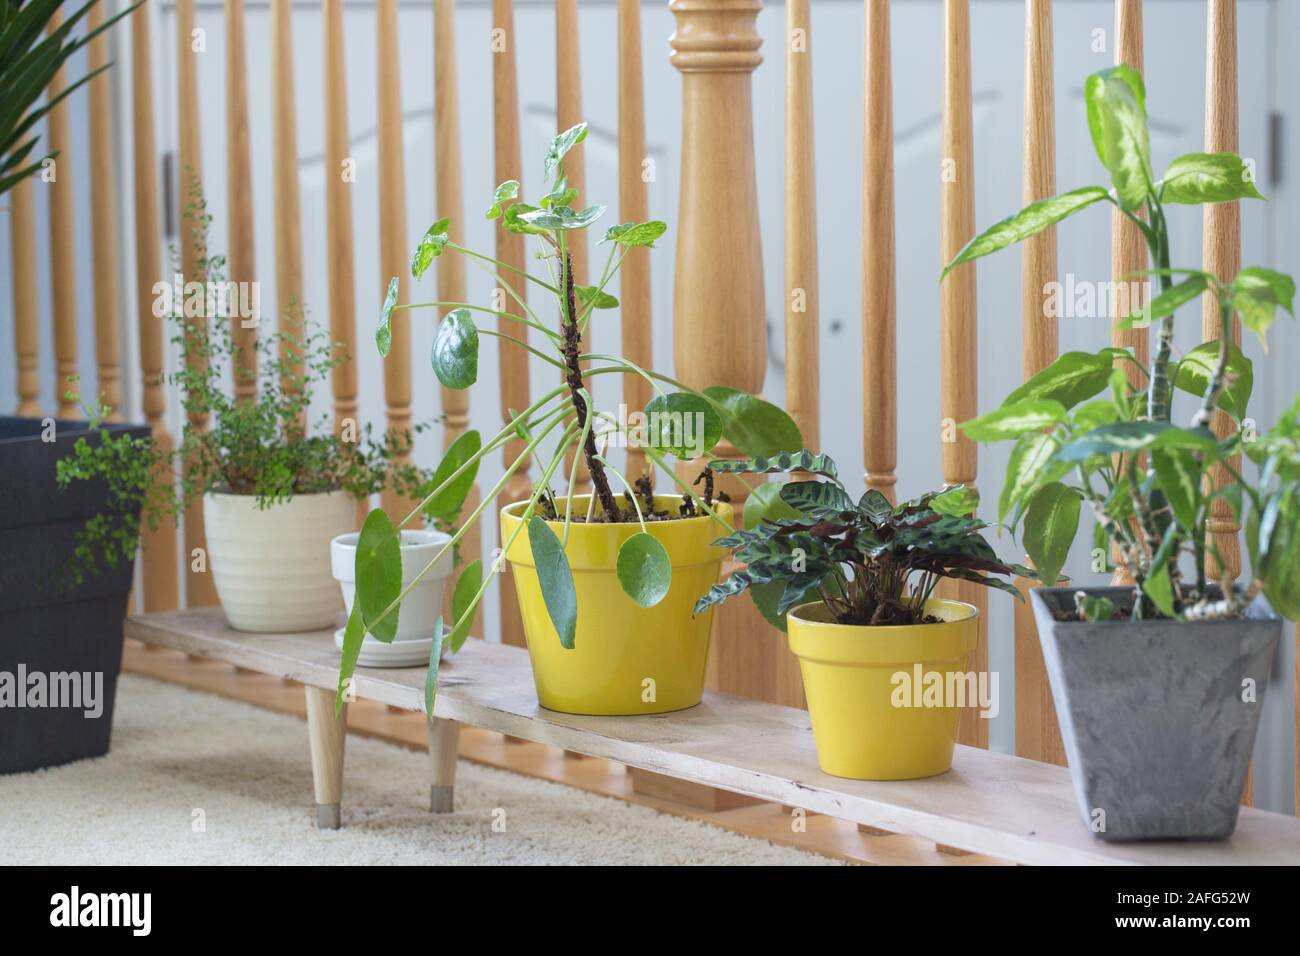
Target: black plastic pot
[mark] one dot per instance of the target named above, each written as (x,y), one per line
(47,628)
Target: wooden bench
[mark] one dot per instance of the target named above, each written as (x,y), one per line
(989,803)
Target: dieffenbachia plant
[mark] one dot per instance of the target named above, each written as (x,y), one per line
(565,415)
(869,561)
(1139,472)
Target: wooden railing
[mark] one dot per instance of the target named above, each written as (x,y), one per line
(718,302)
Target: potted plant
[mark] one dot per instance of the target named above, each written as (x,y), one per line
(1158,686)
(605,581)
(882,658)
(275,491)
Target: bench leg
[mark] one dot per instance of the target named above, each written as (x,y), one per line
(328,735)
(444,745)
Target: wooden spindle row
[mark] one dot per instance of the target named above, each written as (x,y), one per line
(62,239)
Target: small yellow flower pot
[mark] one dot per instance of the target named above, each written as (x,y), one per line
(626,659)
(871,717)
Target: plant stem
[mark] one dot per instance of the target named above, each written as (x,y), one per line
(1206,412)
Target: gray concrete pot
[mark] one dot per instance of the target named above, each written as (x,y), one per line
(1151,712)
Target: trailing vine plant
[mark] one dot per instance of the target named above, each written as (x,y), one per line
(1139,472)
(679,423)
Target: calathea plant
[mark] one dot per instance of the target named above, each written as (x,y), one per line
(678,423)
(1084,434)
(870,562)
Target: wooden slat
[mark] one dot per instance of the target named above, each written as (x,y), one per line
(1037,732)
(451,269)
(22,242)
(159,544)
(199,588)
(103,219)
(879,345)
(633,206)
(958,343)
(513,362)
(241,262)
(63,283)
(1221,249)
(801,287)
(993,803)
(289,315)
(393,259)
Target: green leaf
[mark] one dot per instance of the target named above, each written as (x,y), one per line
(1256,295)
(1197,369)
(555,578)
(1117,119)
(430,247)
(756,427)
(353,637)
(1028,458)
(819,499)
(379,574)
(507,192)
(1073,377)
(766,598)
(1012,421)
(956,501)
(802,460)
(455,350)
(1280,571)
(1179,477)
(764,503)
(875,505)
(462,602)
(1166,303)
(560,147)
(1050,525)
(1091,415)
(636,233)
(435,660)
(1030,221)
(1208,177)
(1160,589)
(733,584)
(598,299)
(1124,437)
(513,220)
(447,503)
(561,195)
(384,334)
(560,217)
(644,571)
(683,425)
(1094,608)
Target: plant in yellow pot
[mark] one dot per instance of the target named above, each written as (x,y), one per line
(606,581)
(883,660)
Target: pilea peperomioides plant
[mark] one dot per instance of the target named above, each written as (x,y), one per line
(870,562)
(1141,474)
(681,423)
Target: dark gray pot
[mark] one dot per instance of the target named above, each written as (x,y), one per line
(46,627)
(1155,728)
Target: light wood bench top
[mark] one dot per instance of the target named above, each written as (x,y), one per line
(989,803)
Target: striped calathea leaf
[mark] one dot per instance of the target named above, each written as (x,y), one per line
(805,461)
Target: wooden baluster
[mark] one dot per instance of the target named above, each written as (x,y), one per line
(159,544)
(103,217)
(289,314)
(568,113)
(1221,250)
(719,335)
(199,588)
(1128,251)
(801,291)
(1037,733)
(959,349)
(393,260)
(451,269)
(22,240)
(63,284)
(633,206)
(241,262)
(513,361)
(879,348)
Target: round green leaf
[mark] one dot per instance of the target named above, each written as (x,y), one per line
(379,574)
(430,247)
(455,350)
(757,428)
(636,233)
(1050,525)
(644,571)
(556,580)
(683,425)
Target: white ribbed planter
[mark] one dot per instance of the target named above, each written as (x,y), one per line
(272,566)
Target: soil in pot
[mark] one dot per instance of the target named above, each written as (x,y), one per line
(626,659)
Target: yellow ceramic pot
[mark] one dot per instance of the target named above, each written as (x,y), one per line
(626,659)
(876,713)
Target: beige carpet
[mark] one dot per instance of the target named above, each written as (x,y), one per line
(194,778)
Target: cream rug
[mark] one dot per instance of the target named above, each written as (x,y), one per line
(194,778)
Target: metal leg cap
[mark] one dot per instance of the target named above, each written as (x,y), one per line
(328,816)
(441,799)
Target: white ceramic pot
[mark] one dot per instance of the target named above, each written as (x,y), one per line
(420,609)
(271,566)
